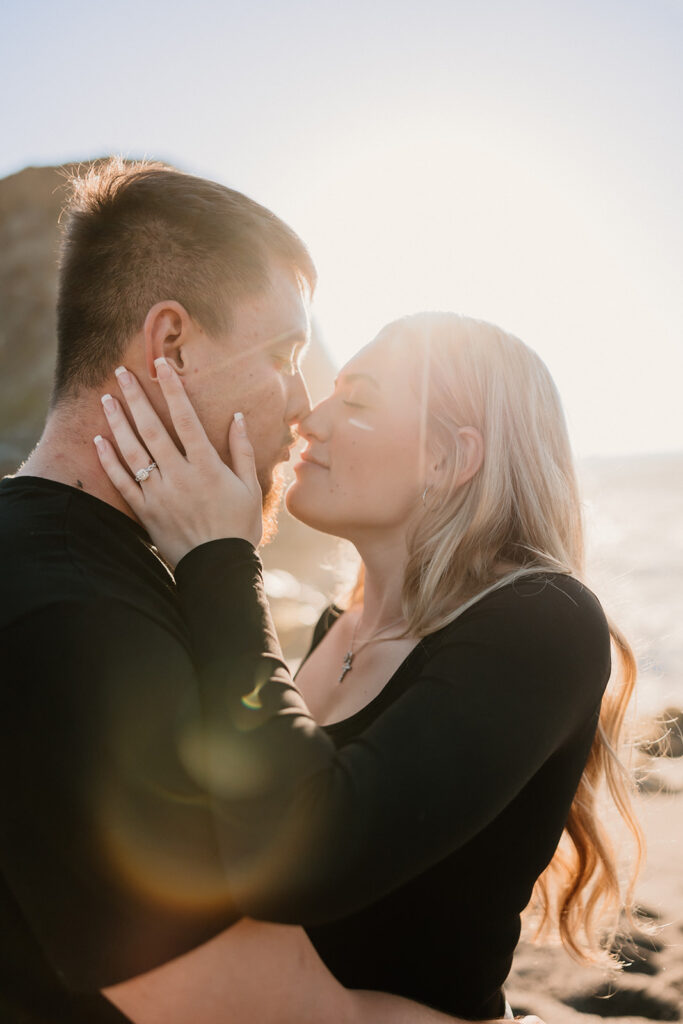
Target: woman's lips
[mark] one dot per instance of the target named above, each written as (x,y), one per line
(308,460)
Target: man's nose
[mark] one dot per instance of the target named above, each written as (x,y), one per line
(299,404)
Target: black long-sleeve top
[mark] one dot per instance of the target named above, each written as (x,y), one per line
(163,775)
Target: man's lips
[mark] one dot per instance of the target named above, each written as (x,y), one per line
(288,443)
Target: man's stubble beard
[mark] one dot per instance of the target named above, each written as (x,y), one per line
(272,503)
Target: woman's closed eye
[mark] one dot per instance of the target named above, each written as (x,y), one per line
(358,397)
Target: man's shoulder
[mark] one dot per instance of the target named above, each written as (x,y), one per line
(59,546)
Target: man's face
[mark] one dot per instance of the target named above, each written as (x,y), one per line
(254,369)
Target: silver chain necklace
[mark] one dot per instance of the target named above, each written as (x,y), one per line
(347,664)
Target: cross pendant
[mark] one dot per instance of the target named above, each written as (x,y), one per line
(348,658)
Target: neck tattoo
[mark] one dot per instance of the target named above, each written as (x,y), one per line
(347,664)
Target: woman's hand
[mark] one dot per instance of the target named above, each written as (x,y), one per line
(187,499)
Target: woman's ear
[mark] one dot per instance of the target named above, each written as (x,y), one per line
(471,445)
(166,330)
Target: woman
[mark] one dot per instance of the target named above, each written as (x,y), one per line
(464,717)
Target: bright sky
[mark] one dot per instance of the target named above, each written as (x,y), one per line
(515,160)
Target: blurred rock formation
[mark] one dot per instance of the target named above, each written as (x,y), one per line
(30,202)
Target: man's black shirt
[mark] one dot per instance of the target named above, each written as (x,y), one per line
(97,685)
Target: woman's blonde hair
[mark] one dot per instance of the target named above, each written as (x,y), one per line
(519,513)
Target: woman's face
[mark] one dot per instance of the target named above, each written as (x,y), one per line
(361,470)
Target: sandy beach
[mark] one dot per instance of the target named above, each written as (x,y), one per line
(634,516)
(547,982)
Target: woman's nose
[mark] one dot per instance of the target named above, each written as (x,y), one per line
(316,423)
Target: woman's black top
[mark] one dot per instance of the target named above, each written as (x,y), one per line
(163,776)
(446,937)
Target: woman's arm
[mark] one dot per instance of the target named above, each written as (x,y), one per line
(334,830)
(310,833)
(262,973)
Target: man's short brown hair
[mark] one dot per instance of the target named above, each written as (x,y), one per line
(136,234)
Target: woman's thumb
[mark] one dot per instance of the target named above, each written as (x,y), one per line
(242,453)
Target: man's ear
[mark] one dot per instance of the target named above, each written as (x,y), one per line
(166,331)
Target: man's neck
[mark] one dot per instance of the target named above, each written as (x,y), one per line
(66,452)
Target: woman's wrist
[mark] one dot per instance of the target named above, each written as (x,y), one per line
(225,555)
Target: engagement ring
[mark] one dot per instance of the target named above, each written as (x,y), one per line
(142,474)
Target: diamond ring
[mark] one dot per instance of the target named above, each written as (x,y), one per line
(142,474)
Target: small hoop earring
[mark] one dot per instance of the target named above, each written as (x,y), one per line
(424,494)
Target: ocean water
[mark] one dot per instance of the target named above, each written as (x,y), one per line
(634,524)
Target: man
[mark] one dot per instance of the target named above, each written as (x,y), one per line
(113,874)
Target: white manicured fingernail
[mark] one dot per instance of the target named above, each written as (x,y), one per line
(239,422)
(108,403)
(123,376)
(163,369)
(99,442)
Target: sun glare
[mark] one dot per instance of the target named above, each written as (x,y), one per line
(414,221)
